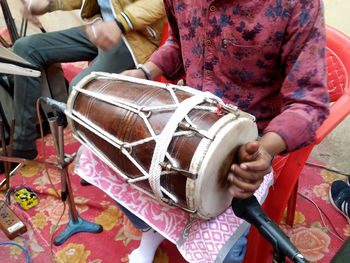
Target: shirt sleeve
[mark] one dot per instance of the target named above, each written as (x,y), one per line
(64,5)
(168,57)
(141,13)
(304,91)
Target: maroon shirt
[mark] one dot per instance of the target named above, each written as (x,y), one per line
(265,56)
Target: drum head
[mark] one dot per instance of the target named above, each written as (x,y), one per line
(210,195)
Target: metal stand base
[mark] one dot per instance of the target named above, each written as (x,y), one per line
(74,227)
(75,224)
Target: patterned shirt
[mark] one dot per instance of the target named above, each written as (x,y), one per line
(265,56)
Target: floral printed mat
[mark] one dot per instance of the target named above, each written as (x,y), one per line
(316,240)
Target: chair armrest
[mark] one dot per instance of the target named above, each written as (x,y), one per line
(338,111)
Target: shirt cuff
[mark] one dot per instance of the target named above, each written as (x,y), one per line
(126,21)
(296,134)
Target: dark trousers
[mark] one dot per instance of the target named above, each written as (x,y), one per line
(69,45)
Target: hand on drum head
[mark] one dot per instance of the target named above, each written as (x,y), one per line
(254,162)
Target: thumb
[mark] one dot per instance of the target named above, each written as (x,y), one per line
(248,152)
(252,147)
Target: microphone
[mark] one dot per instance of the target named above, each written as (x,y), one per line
(250,210)
(59,106)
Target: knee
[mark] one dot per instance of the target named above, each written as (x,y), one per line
(22,46)
(26,48)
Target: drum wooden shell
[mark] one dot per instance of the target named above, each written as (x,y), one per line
(128,126)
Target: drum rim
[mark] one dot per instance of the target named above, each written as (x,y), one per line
(223,127)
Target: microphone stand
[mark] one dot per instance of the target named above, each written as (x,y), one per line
(251,211)
(4,152)
(278,257)
(76,223)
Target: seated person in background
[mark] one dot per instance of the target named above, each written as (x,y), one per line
(266,57)
(119,35)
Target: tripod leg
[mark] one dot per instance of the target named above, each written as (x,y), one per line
(76,223)
(75,227)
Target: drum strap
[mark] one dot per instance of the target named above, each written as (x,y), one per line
(166,136)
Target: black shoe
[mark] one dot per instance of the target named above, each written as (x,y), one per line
(28,154)
(339,195)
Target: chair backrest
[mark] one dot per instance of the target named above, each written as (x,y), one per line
(338,63)
(338,75)
(339,43)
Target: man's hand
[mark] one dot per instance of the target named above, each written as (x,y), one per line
(136,73)
(104,35)
(32,8)
(254,162)
(246,177)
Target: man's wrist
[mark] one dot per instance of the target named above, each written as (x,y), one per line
(273,143)
(146,71)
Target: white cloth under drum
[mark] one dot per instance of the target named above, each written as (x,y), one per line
(199,241)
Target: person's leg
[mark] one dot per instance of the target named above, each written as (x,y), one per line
(40,50)
(150,239)
(114,60)
(237,252)
(137,222)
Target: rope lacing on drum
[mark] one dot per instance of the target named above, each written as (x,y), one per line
(162,140)
(165,138)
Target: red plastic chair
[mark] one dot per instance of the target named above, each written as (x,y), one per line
(288,168)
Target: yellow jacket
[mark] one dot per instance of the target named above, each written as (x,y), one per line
(147,18)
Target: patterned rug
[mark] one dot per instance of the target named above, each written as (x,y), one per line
(314,233)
